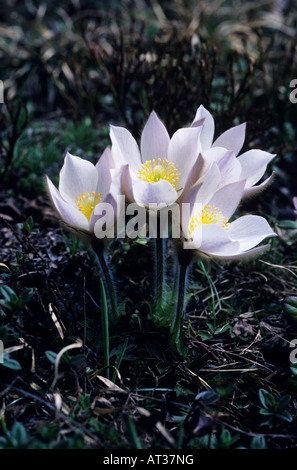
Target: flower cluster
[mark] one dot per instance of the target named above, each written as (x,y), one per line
(207,180)
(200,181)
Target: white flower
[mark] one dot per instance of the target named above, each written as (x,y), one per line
(206,227)
(82,187)
(250,165)
(163,168)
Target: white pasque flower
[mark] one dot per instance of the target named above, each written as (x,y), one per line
(250,165)
(82,187)
(163,168)
(205,215)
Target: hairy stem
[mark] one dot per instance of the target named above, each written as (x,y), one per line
(105,327)
(159,273)
(108,282)
(177,324)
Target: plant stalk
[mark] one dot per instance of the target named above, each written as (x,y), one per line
(108,282)
(177,325)
(105,327)
(184,259)
(159,273)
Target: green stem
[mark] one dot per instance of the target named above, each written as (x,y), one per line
(108,282)
(177,325)
(133,434)
(175,283)
(105,327)
(159,273)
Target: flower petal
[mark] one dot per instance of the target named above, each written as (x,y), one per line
(205,187)
(254,190)
(183,151)
(253,164)
(103,167)
(242,255)
(126,183)
(232,139)
(70,215)
(213,239)
(208,127)
(227,198)
(109,211)
(124,148)
(154,139)
(161,192)
(193,176)
(249,231)
(77,176)
(228,165)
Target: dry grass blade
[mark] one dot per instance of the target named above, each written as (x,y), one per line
(78,344)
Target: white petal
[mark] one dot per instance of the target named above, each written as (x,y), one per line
(254,190)
(127,186)
(228,165)
(193,175)
(154,139)
(205,188)
(253,164)
(106,209)
(67,212)
(77,176)
(103,167)
(242,255)
(208,127)
(124,148)
(183,151)
(116,182)
(227,198)
(232,139)
(213,239)
(189,207)
(249,231)
(161,192)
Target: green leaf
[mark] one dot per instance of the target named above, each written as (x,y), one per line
(264,411)
(10,363)
(7,293)
(293,368)
(258,442)
(204,335)
(290,307)
(286,416)
(283,402)
(51,356)
(18,435)
(288,224)
(207,397)
(267,399)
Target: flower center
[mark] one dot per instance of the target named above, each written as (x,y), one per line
(87,202)
(208,215)
(152,172)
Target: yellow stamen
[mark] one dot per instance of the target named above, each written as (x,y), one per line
(152,172)
(87,202)
(208,215)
